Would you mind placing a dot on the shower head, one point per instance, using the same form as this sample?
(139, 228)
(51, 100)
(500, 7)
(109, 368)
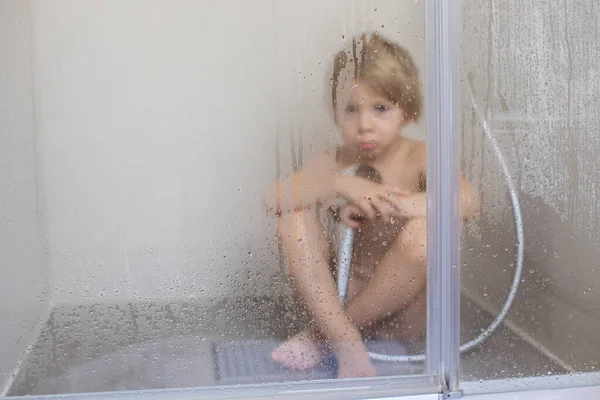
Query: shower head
(368, 172)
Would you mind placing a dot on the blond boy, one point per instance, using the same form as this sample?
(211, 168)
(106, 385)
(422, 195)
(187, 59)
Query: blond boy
(375, 93)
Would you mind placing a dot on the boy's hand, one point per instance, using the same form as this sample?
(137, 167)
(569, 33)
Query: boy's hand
(350, 216)
(403, 206)
(355, 363)
(371, 199)
(410, 206)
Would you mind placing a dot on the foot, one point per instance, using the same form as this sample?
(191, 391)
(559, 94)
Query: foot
(300, 352)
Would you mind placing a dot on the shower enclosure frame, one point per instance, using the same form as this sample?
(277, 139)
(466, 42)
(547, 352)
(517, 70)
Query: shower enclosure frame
(442, 366)
(443, 182)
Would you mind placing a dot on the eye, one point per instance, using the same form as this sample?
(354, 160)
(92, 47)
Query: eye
(351, 109)
(381, 108)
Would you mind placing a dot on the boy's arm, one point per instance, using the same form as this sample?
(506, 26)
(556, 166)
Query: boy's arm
(415, 205)
(469, 201)
(315, 183)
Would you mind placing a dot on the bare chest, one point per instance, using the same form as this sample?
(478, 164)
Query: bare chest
(402, 175)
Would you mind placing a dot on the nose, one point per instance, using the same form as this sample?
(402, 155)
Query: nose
(365, 123)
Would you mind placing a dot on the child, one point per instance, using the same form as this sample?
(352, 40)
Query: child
(375, 93)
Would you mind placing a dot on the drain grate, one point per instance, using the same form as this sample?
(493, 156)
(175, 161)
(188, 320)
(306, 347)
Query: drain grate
(248, 361)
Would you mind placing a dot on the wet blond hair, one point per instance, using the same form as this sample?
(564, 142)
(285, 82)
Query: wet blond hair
(386, 67)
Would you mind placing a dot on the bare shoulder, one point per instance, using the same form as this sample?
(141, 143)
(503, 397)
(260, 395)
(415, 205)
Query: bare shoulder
(418, 149)
(419, 157)
(415, 153)
(414, 163)
(419, 153)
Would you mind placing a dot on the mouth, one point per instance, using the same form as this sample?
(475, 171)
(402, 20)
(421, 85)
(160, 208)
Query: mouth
(367, 146)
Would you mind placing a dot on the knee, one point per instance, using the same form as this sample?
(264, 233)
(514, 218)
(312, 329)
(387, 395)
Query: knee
(413, 240)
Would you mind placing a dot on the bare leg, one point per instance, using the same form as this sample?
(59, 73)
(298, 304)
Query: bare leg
(302, 351)
(393, 293)
(307, 258)
(393, 290)
(408, 325)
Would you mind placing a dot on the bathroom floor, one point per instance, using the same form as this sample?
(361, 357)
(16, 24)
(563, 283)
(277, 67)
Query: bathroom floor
(93, 348)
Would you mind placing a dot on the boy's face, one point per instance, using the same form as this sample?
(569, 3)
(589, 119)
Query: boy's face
(368, 121)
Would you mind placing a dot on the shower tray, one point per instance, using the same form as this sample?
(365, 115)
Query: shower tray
(109, 347)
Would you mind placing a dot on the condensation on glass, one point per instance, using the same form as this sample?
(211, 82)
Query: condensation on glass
(530, 78)
(137, 142)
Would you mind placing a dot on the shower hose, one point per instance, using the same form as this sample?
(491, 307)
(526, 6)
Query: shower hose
(347, 234)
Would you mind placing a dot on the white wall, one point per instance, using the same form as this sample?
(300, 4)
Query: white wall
(24, 286)
(159, 125)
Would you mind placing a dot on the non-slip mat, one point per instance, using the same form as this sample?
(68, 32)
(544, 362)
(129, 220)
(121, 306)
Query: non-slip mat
(248, 361)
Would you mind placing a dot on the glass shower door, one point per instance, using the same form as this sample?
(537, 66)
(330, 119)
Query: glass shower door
(530, 87)
(150, 131)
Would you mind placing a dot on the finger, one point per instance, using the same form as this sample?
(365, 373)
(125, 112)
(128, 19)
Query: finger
(390, 203)
(350, 216)
(366, 208)
(383, 209)
(389, 196)
(400, 208)
(389, 211)
(353, 211)
(351, 222)
(397, 191)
